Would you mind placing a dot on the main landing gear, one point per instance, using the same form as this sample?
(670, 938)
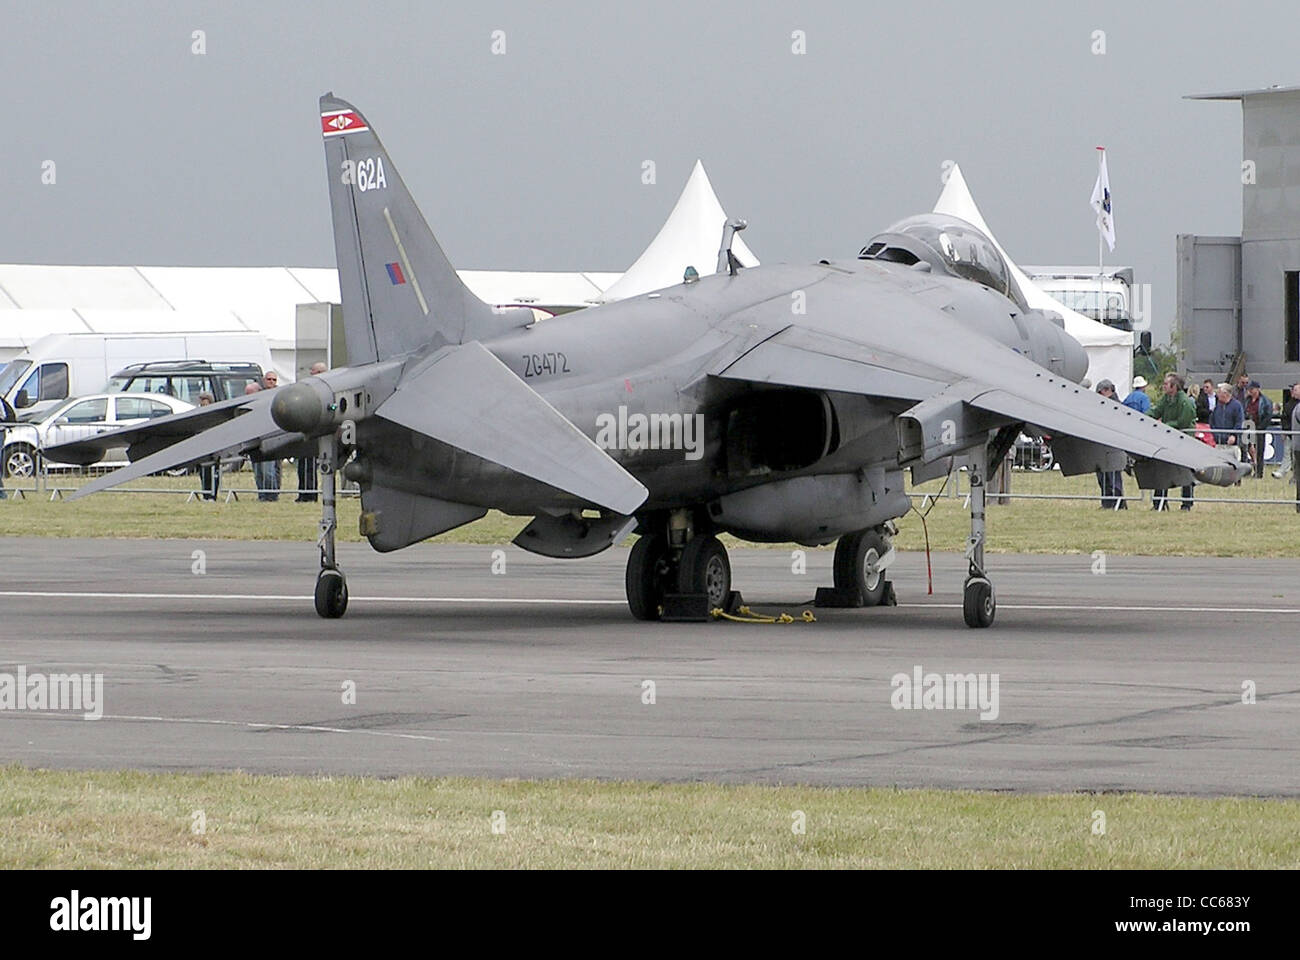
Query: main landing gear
(331, 585)
(671, 567)
(675, 572)
(860, 561)
(978, 604)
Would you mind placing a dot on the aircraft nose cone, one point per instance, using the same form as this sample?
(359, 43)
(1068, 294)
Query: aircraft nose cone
(297, 408)
(1074, 362)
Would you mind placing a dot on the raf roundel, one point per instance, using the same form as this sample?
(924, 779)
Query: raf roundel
(336, 122)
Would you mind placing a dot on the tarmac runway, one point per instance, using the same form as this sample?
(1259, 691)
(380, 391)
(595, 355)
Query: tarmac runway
(1130, 679)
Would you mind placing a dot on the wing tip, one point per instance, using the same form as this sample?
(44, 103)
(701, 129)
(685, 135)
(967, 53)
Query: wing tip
(627, 504)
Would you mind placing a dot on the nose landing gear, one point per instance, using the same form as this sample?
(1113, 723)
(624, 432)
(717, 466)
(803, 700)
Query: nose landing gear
(978, 604)
(331, 586)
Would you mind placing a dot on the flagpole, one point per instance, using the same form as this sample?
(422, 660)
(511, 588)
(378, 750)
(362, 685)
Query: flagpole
(1101, 284)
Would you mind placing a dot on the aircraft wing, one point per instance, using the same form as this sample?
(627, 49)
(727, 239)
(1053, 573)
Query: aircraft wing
(469, 399)
(800, 357)
(1010, 387)
(1060, 407)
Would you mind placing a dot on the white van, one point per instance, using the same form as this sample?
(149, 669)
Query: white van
(64, 365)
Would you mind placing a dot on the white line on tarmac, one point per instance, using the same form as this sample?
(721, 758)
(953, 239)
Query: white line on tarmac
(252, 725)
(1109, 606)
(88, 595)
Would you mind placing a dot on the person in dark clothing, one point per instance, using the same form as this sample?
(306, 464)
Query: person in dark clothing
(267, 472)
(1259, 410)
(209, 471)
(1243, 383)
(1110, 481)
(1295, 442)
(7, 416)
(307, 465)
(1288, 443)
(1226, 418)
(1205, 401)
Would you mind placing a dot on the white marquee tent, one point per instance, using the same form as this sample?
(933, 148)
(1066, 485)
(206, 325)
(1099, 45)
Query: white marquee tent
(38, 299)
(1110, 350)
(690, 237)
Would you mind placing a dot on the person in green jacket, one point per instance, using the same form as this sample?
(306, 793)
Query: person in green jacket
(1176, 409)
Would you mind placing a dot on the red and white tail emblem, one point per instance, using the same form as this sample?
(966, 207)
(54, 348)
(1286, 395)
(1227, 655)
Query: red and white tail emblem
(341, 121)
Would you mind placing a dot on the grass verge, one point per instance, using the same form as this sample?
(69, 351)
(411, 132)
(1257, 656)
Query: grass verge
(93, 820)
(1022, 526)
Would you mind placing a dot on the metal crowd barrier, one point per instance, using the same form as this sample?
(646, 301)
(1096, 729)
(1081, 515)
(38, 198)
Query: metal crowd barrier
(42, 485)
(45, 482)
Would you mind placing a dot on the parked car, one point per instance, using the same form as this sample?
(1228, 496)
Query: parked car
(78, 418)
(63, 365)
(186, 379)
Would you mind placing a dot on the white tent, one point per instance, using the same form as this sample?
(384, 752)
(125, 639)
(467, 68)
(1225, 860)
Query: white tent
(690, 237)
(1110, 350)
(37, 299)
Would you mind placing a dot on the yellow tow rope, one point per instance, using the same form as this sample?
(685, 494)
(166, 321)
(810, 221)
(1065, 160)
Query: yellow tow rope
(749, 616)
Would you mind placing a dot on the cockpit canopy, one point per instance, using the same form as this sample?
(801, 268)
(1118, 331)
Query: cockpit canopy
(950, 246)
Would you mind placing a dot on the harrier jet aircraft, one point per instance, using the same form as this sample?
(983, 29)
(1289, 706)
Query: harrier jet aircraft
(777, 403)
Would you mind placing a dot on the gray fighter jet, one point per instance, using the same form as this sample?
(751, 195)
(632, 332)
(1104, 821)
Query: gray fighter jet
(777, 403)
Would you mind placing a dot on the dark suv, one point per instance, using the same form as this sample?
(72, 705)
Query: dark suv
(186, 379)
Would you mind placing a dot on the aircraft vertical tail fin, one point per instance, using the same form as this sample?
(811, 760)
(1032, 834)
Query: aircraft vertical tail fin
(399, 290)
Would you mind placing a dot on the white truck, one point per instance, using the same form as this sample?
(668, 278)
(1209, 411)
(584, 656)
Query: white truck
(1107, 300)
(64, 365)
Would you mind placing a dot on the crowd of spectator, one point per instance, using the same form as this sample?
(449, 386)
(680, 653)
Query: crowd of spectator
(266, 473)
(1236, 417)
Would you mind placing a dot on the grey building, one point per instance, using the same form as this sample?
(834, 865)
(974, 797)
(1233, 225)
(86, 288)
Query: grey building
(1239, 297)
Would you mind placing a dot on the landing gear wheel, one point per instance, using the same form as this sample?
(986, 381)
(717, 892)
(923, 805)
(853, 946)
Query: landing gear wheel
(704, 568)
(647, 569)
(978, 605)
(854, 553)
(331, 594)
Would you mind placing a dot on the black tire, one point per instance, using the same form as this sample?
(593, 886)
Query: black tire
(704, 568)
(978, 604)
(20, 460)
(646, 580)
(852, 553)
(331, 594)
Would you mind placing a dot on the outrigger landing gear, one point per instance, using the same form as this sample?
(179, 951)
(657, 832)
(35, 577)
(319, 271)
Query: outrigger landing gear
(978, 604)
(331, 586)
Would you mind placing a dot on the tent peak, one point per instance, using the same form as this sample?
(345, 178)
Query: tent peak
(690, 237)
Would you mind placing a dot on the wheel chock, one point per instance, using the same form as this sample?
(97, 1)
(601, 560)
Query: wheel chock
(685, 608)
(837, 597)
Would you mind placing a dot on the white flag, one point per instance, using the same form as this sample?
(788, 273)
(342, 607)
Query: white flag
(1101, 203)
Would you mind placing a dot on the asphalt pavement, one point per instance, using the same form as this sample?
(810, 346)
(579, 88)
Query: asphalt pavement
(213, 659)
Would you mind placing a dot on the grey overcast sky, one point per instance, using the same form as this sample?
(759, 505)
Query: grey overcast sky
(533, 159)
